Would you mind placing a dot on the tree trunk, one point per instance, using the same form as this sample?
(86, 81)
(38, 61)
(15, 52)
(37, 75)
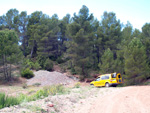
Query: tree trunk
(83, 70)
(10, 72)
(4, 67)
(32, 51)
(23, 43)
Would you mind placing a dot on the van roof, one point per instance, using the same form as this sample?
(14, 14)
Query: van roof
(107, 74)
(104, 75)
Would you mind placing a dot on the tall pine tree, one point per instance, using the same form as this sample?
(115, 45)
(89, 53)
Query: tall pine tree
(136, 66)
(80, 41)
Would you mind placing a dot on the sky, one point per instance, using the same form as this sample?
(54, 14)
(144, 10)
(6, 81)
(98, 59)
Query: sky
(137, 12)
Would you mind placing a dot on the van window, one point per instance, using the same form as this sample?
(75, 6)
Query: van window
(105, 77)
(114, 75)
(119, 76)
(98, 79)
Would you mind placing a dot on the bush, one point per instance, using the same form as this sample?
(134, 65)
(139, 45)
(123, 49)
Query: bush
(73, 71)
(41, 60)
(48, 65)
(36, 66)
(27, 63)
(24, 86)
(59, 60)
(27, 73)
(53, 90)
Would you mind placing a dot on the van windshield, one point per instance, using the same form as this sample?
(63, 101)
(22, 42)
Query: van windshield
(113, 75)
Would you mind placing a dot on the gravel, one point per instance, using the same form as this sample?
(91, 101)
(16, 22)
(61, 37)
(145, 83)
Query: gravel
(46, 78)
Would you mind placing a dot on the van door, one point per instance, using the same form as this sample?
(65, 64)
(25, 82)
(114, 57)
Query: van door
(102, 81)
(97, 82)
(119, 78)
(113, 78)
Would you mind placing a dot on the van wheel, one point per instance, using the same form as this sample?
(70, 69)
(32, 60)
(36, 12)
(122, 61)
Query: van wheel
(107, 85)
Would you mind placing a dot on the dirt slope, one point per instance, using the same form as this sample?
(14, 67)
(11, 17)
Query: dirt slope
(46, 78)
(129, 100)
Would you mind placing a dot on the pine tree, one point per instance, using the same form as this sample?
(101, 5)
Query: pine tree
(111, 29)
(136, 67)
(80, 41)
(146, 39)
(47, 37)
(107, 62)
(9, 51)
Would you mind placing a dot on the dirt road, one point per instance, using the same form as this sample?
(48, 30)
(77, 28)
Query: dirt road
(135, 99)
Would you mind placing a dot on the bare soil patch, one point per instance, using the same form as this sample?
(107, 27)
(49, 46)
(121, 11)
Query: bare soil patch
(46, 78)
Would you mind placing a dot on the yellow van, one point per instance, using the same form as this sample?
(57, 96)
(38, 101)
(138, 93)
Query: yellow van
(107, 80)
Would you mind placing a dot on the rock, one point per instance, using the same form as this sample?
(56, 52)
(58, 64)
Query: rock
(50, 104)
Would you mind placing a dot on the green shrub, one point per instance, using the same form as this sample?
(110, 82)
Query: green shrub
(41, 60)
(6, 101)
(53, 90)
(27, 73)
(48, 65)
(59, 60)
(27, 63)
(73, 71)
(24, 86)
(36, 66)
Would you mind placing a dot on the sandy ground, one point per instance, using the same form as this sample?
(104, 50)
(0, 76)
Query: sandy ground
(129, 100)
(87, 99)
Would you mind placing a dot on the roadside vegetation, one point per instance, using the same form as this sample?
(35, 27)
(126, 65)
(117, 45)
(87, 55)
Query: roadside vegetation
(6, 101)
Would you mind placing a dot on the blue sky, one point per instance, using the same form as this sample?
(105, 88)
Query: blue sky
(137, 12)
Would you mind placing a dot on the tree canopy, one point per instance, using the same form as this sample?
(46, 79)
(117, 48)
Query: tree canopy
(81, 44)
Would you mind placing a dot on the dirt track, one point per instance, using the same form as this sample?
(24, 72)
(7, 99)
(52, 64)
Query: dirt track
(127, 100)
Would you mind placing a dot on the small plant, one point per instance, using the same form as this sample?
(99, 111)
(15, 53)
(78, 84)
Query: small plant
(37, 84)
(53, 90)
(27, 73)
(77, 85)
(24, 86)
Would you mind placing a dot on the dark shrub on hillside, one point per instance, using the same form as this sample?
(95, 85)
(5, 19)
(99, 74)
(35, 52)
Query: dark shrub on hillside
(59, 60)
(73, 71)
(48, 65)
(27, 73)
